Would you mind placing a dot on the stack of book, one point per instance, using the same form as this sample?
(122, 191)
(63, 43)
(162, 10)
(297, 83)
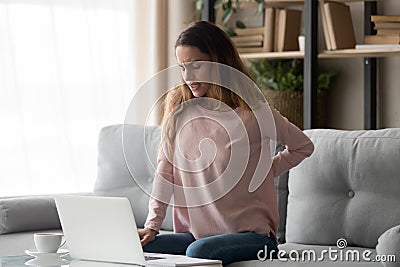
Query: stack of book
(386, 25)
(388, 33)
(279, 33)
(249, 39)
(337, 25)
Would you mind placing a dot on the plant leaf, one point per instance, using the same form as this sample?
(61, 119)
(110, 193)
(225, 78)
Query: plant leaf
(227, 5)
(260, 8)
(237, 3)
(218, 4)
(230, 31)
(240, 24)
(227, 15)
(199, 5)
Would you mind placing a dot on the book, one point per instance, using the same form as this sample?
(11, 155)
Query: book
(378, 46)
(382, 39)
(387, 31)
(247, 38)
(249, 31)
(325, 26)
(340, 25)
(249, 44)
(269, 28)
(387, 25)
(276, 29)
(287, 30)
(376, 18)
(250, 49)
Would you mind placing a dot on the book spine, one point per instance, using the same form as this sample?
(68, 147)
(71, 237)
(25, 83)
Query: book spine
(248, 38)
(277, 32)
(250, 49)
(287, 30)
(387, 31)
(382, 39)
(341, 25)
(387, 25)
(269, 28)
(249, 44)
(249, 31)
(330, 26)
(325, 26)
(376, 18)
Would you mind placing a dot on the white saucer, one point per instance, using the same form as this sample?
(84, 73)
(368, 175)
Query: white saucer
(36, 254)
(43, 261)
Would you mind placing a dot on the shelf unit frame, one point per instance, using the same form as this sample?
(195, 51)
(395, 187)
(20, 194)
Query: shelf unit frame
(312, 54)
(310, 20)
(370, 73)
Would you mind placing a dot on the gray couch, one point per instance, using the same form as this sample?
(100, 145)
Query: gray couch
(343, 198)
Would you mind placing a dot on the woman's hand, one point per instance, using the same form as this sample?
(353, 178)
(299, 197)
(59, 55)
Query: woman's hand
(147, 235)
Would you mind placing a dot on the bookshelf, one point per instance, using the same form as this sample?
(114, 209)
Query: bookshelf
(273, 55)
(311, 56)
(342, 53)
(301, 2)
(359, 53)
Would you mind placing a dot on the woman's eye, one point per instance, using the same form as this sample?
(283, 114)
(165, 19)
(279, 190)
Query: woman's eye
(196, 65)
(182, 67)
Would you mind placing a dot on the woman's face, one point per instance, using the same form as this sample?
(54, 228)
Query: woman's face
(188, 58)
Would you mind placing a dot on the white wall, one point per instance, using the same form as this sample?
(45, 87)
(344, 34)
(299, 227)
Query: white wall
(180, 14)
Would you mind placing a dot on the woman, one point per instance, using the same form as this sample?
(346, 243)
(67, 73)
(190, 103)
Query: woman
(233, 225)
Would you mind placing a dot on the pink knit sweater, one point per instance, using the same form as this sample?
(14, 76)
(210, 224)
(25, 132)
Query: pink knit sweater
(216, 155)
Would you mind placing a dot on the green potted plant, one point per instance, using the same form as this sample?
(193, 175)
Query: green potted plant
(281, 82)
(228, 8)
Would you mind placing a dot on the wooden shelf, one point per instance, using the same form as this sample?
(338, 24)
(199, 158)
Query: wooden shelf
(302, 1)
(285, 3)
(273, 55)
(281, 3)
(359, 53)
(344, 53)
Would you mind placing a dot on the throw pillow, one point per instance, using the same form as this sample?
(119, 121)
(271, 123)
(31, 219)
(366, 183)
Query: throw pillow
(28, 214)
(389, 244)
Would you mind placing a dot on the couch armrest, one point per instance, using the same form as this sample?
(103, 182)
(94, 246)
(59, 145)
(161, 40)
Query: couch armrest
(20, 214)
(389, 246)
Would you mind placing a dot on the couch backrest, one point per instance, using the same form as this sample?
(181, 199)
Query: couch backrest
(126, 165)
(348, 188)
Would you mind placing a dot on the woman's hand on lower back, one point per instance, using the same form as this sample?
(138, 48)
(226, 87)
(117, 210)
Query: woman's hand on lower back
(147, 235)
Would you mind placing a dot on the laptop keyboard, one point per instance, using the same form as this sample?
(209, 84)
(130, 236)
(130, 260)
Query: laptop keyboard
(151, 258)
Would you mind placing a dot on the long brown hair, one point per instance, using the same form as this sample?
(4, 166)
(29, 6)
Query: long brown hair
(214, 42)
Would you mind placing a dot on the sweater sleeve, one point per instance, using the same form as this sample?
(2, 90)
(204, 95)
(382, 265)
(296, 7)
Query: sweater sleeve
(297, 145)
(161, 194)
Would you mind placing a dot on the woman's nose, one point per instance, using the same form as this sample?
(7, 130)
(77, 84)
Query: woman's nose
(188, 74)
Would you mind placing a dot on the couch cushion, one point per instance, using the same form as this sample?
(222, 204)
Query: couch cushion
(277, 263)
(281, 185)
(299, 255)
(19, 214)
(347, 189)
(338, 254)
(133, 180)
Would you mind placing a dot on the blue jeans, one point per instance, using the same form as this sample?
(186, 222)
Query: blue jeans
(228, 248)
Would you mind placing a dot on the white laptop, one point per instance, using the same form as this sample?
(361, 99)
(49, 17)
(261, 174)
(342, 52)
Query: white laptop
(104, 229)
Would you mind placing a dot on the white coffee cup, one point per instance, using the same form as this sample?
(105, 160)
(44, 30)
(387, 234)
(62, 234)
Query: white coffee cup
(48, 242)
(301, 40)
